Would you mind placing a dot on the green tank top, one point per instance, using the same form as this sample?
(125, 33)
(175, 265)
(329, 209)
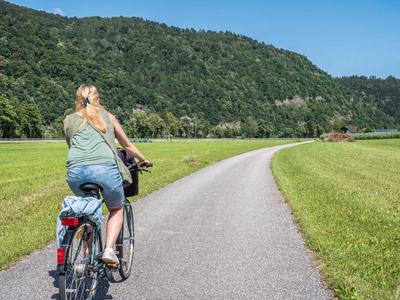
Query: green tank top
(89, 148)
(72, 123)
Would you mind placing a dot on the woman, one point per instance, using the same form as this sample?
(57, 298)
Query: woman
(90, 133)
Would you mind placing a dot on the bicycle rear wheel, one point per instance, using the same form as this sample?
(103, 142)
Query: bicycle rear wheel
(79, 281)
(125, 242)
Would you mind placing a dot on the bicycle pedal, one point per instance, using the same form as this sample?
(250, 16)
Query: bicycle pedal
(112, 266)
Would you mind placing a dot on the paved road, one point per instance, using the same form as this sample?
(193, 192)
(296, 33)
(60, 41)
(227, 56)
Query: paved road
(224, 232)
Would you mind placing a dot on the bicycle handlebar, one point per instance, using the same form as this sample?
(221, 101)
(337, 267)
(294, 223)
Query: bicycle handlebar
(143, 167)
(148, 165)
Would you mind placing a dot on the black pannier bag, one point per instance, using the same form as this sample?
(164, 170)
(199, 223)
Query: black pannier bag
(130, 189)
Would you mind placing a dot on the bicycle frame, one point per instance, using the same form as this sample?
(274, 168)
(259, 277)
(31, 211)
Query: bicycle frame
(126, 203)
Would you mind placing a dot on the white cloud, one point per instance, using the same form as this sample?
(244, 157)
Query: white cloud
(58, 11)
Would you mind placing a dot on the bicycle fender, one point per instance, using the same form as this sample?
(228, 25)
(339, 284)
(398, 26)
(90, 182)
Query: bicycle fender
(61, 268)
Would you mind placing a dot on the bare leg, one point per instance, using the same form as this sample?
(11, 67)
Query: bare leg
(87, 244)
(114, 224)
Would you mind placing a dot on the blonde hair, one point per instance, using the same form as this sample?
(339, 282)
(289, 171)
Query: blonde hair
(91, 110)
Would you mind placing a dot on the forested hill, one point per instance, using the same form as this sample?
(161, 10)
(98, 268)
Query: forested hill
(382, 93)
(213, 77)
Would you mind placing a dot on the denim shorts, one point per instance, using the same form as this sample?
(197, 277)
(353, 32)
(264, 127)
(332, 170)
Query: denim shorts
(105, 175)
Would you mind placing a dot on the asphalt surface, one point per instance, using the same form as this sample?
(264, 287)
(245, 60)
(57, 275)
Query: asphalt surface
(224, 232)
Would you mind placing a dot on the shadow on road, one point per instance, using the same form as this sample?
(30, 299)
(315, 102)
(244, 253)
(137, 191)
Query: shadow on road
(102, 289)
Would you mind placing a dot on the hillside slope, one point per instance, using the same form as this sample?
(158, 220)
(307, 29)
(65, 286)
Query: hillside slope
(382, 93)
(219, 77)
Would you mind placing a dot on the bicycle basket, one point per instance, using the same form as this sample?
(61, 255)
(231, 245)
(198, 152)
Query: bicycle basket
(130, 189)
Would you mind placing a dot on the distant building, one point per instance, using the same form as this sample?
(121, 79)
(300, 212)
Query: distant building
(386, 130)
(349, 129)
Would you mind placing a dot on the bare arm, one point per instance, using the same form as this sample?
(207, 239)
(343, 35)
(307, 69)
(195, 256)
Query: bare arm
(125, 142)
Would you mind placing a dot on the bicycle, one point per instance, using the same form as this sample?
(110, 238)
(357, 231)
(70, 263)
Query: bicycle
(79, 260)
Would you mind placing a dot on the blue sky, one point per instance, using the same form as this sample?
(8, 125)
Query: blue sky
(341, 37)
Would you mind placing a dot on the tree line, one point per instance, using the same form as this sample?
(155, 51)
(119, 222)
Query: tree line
(141, 124)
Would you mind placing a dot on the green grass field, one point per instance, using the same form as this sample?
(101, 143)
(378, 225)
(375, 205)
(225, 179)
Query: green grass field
(32, 183)
(345, 197)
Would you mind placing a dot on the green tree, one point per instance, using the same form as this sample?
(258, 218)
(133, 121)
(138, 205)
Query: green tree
(8, 118)
(197, 124)
(231, 132)
(32, 127)
(335, 126)
(187, 126)
(218, 132)
(269, 129)
(311, 130)
(300, 132)
(171, 123)
(250, 127)
(138, 125)
(261, 130)
(320, 130)
(130, 127)
(156, 123)
(287, 133)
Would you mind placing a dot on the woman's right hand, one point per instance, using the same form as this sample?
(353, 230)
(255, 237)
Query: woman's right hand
(140, 163)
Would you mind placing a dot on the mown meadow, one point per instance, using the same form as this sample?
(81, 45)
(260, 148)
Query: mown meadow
(32, 183)
(345, 197)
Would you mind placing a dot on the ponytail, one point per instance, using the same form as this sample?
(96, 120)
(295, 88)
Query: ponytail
(87, 97)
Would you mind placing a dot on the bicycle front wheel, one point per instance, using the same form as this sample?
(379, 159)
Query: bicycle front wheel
(79, 281)
(125, 242)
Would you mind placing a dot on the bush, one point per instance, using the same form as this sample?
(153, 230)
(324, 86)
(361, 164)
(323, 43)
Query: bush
(376, 135)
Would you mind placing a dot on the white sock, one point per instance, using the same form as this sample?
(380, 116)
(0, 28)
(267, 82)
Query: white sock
(109, 249)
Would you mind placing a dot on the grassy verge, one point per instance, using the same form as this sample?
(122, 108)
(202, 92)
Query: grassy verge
(345, 197)
(32, 183)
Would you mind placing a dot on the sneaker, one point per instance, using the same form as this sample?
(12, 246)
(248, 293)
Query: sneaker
(110, 257)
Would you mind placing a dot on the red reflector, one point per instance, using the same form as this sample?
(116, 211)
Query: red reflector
(60, 255)
(69, 221)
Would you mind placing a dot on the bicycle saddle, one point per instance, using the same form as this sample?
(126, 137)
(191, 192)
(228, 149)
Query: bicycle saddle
(89, 187)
